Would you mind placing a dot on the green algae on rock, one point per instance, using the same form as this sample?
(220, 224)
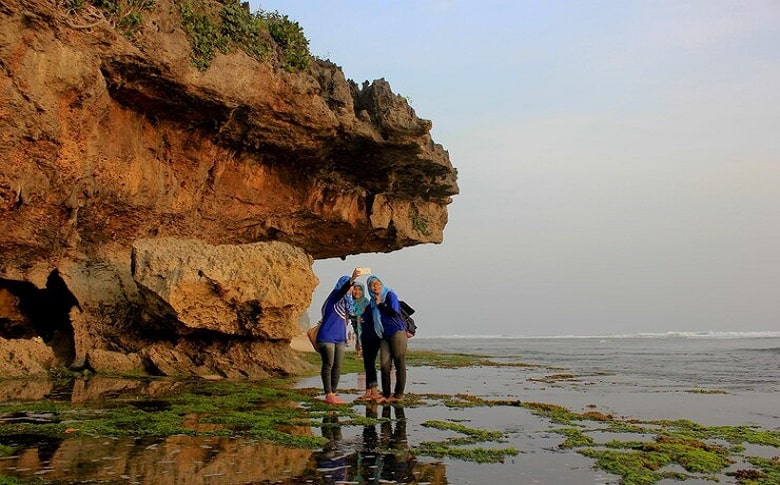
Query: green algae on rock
(457, 447)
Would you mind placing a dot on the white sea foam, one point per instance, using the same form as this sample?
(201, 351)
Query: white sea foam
(648, 335)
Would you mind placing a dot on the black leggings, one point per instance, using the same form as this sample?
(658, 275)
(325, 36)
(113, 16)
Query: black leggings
(393, 354)
(370, 348)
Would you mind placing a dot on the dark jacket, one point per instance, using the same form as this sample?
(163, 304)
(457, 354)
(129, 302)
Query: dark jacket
(390, 312)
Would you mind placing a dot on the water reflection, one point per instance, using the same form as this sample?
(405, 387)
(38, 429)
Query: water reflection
(381, 455)
(378, 452)
(169, 461)
(332, 461)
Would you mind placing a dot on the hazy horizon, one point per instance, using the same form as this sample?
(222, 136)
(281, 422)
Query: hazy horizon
(619, 162)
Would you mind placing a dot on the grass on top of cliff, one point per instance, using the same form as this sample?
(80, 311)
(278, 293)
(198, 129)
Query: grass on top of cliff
(212, 27)
(227, 26)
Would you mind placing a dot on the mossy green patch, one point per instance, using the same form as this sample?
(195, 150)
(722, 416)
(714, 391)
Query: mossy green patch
(478, 454)
(633, 467)
(473, 435)
(574, 437)
(554, 412)
(678, 442)
(459, 447)
(6, 480)
(454, 360)
(553, 378)
(420, 358)
(261, 410)
(767, 471)
(732, 434)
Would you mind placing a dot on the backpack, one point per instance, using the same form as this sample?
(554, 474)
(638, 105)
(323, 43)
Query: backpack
(406, 316)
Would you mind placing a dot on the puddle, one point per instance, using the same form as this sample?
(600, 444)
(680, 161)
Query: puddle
(43, 441)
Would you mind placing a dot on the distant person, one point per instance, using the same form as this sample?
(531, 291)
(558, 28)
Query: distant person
(359, 304)
(332, 336)
(384, 316)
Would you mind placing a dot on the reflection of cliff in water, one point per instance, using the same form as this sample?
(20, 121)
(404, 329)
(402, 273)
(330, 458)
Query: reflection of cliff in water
(174, 460)
(370, 454)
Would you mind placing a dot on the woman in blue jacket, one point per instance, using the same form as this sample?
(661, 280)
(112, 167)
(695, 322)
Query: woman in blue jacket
(332, 336)
(382, 320)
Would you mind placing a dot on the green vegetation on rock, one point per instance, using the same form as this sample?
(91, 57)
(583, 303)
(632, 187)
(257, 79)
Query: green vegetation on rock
(459, 448)
(227, 26)
(212, 26)
(125, 15)
(272, 411)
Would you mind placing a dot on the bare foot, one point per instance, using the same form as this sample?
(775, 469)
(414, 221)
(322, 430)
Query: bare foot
(333, 399)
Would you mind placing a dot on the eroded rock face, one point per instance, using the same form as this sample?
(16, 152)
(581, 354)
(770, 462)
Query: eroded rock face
(106, 143)
(254, 290)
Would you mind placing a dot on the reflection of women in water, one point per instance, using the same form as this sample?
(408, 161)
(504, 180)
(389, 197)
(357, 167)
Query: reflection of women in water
(382, 456)
(332, 336)
(399, 463)
(384, 316)
(331, 459)
(359, 304)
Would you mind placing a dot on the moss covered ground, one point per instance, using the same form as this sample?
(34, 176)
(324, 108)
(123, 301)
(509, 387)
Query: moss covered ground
(646, 452)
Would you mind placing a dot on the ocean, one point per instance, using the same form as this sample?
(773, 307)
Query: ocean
(726, 361)
(645, 376)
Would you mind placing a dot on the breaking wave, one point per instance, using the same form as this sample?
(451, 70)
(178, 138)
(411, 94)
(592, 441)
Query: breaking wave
(647, 335)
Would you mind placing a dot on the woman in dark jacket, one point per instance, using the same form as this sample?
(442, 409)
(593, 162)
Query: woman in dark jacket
(382, 320)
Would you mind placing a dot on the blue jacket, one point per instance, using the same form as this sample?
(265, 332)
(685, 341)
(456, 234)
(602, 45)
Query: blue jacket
(390, 312)
(334, 328)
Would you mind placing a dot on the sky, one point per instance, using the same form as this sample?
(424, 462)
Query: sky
(618, 161)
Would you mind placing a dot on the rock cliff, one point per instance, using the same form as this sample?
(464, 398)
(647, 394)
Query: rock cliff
(161, 217)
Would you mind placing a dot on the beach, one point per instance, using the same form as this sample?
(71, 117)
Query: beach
(713, 382)
(639, 410)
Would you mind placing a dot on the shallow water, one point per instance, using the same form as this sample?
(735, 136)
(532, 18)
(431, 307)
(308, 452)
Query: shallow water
(364, 454)
(633, 378)
(712, 380)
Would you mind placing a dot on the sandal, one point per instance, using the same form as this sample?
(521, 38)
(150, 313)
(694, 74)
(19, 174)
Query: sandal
(367, 396)
(377, 396)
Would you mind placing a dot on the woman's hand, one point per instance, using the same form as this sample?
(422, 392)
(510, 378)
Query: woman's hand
(355, 274)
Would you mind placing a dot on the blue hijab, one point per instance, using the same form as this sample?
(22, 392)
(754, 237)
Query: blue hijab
(358, 305)
(374, 307)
